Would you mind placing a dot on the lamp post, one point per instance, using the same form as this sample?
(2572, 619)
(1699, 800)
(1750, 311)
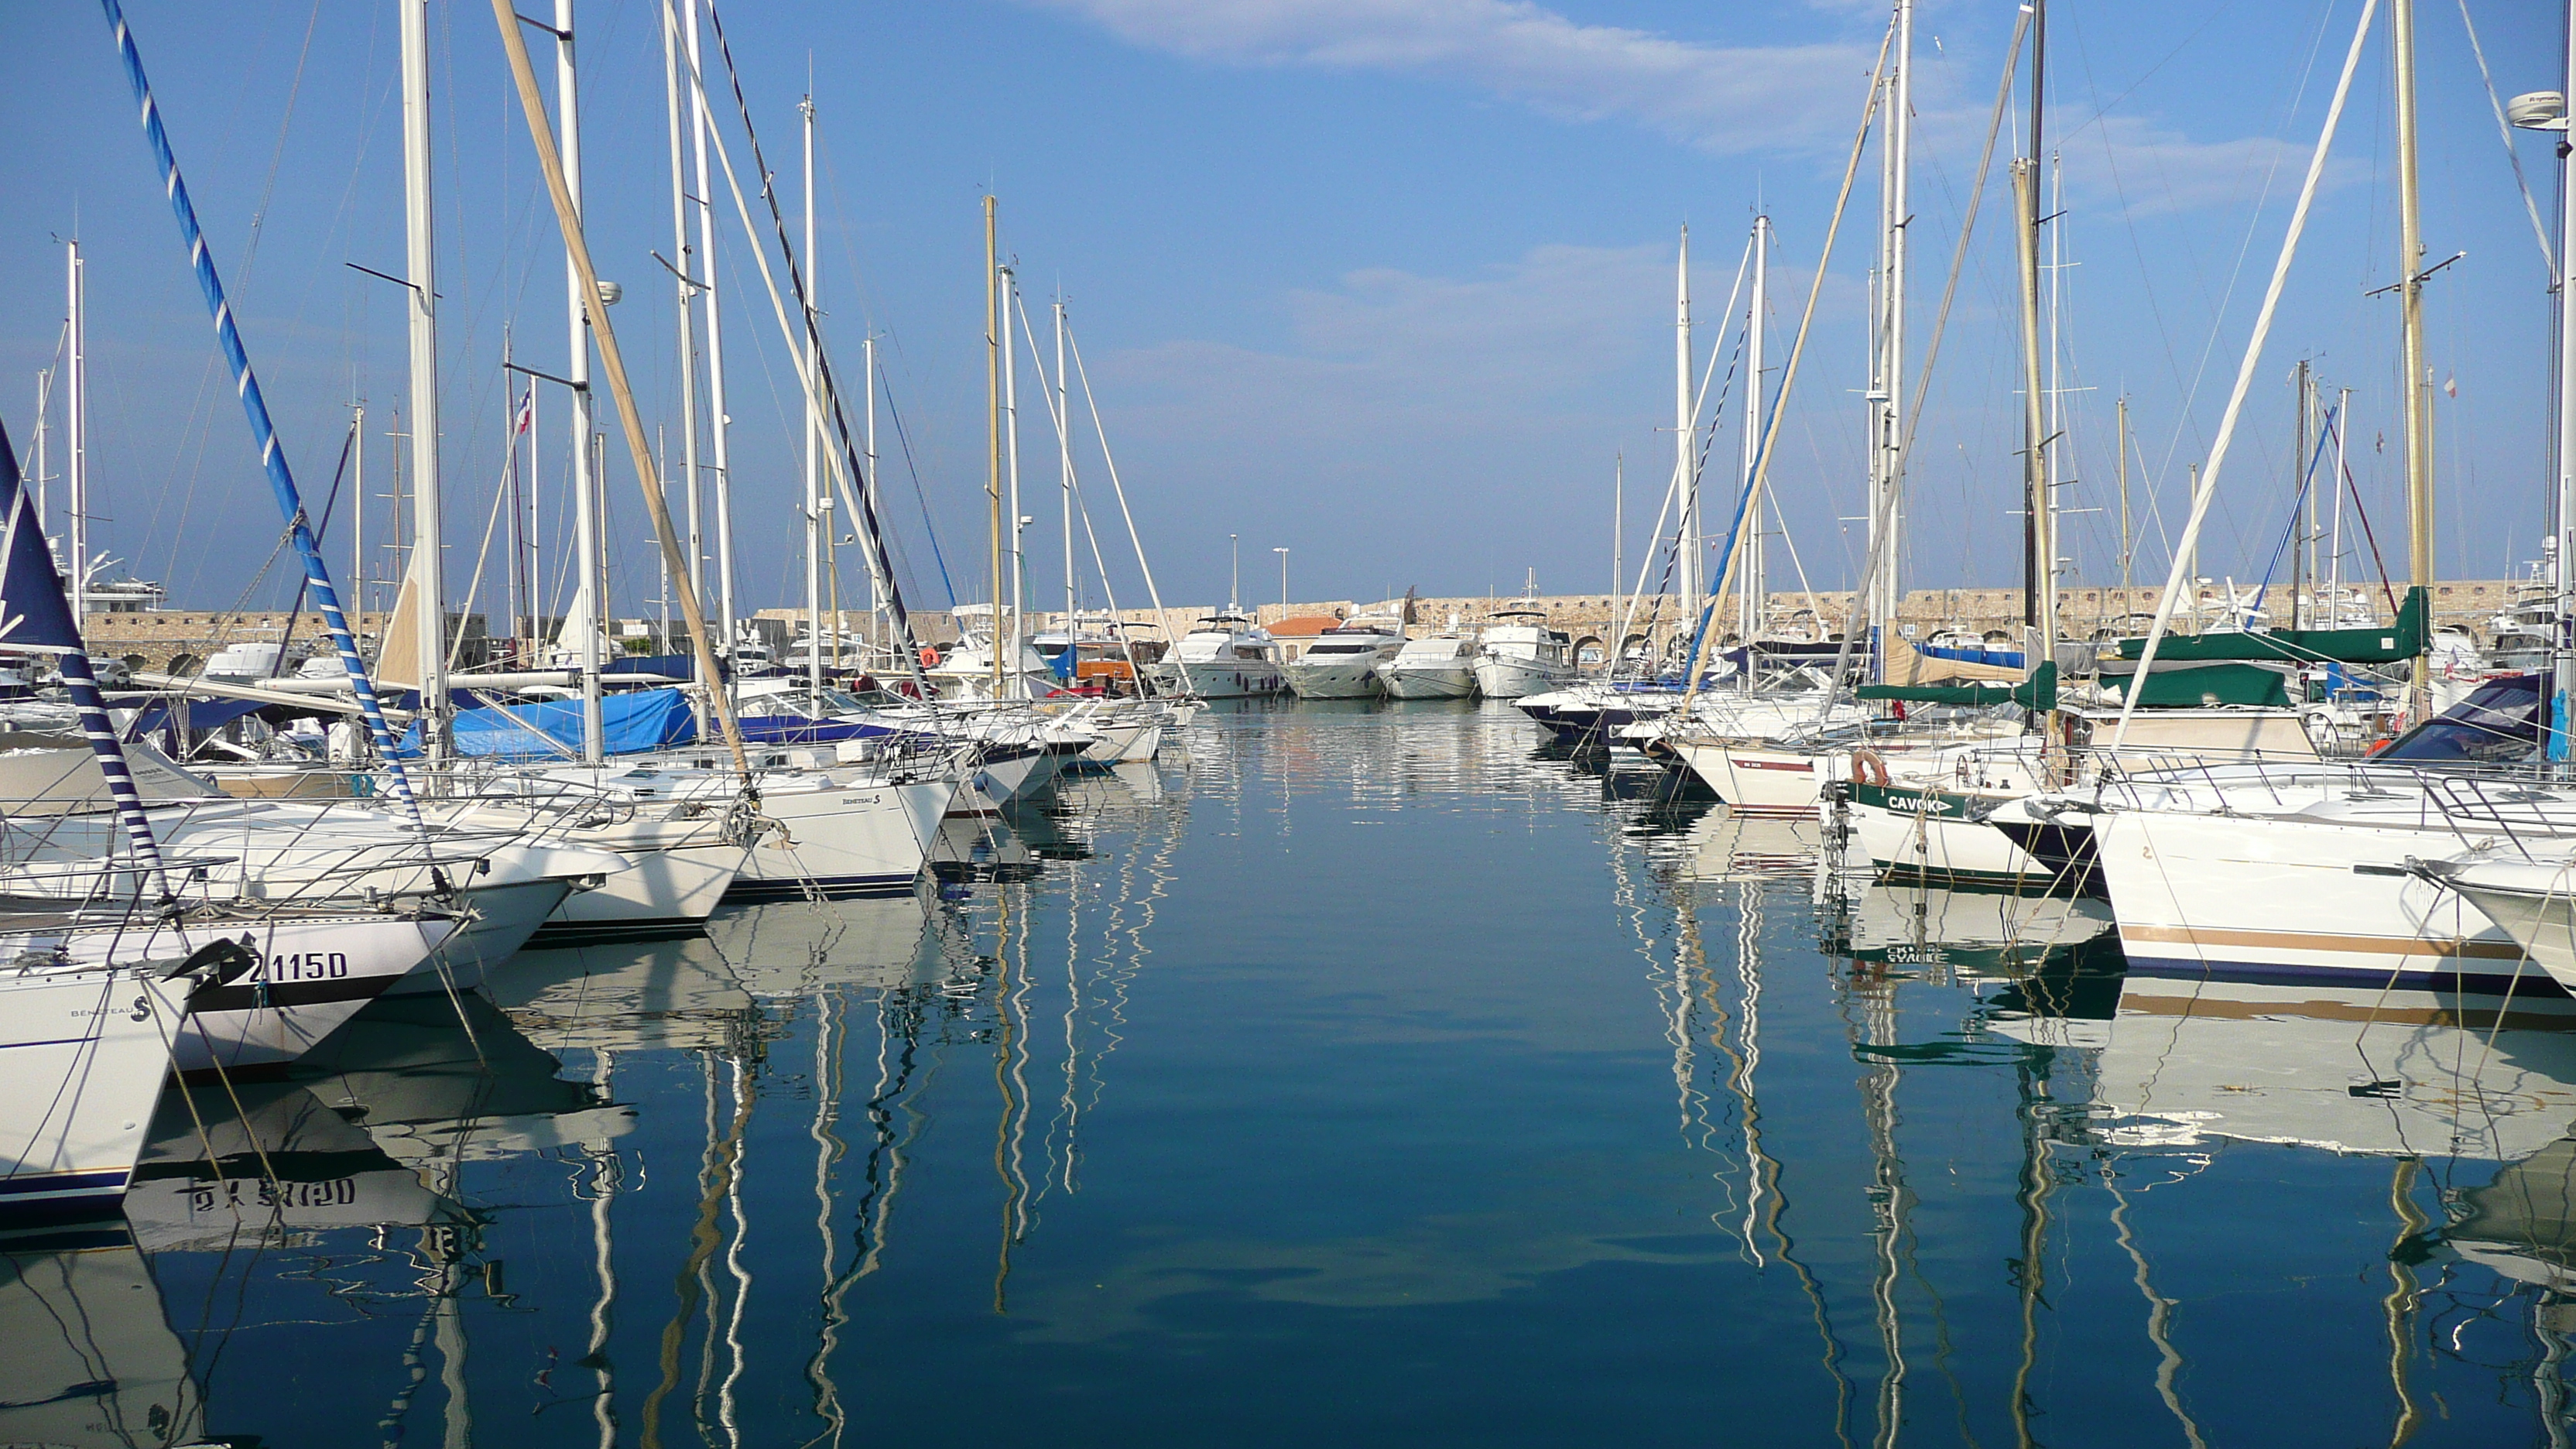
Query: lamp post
(2547, 111)
(1283, 581)
(1234, 584)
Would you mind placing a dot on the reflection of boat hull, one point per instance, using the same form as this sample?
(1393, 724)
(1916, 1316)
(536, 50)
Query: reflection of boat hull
(1993, 934)
(785, 947)
(91, 1359)
(669, 993)
(2349, 1069)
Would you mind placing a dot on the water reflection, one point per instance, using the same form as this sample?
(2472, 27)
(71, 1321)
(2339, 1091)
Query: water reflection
(1368, 1049)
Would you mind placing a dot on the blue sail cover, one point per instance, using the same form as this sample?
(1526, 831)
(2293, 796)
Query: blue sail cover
(649, 719)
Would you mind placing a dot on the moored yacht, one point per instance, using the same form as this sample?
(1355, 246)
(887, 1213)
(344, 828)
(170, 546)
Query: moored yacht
(1226, 657)
(1342, 662)
(1523, 656)
(1440, 667)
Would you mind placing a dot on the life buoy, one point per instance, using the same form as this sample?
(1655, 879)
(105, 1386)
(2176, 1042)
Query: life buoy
(929, 657)
(1867, 768)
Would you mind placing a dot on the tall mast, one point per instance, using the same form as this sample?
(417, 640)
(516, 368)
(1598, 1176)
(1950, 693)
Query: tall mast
(1887, 391)
(868, 366)
(2563, 689)
(1064, 465)
(2299, 490)
(2410, 263)
(2039, 533)
(420, 263)
(358, 510)
(993, 431)
(1685, 478)
(2123, 431)
(2334, 547)
(589, 608)
(1011, 464)
(76, 430)
(1618, 538)
(815, 519)
(718, 425)
(686, 263)
(1756, 588)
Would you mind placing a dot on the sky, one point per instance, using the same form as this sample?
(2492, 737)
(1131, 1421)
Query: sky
(1386, 283)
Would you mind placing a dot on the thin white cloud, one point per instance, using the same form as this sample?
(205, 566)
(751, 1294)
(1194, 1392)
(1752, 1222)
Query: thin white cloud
(1727, 99)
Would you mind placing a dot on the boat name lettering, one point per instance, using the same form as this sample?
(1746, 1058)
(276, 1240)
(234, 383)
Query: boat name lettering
(304, 966)
(235, 1192)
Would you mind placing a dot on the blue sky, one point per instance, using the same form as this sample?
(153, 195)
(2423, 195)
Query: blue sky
(1387, 282)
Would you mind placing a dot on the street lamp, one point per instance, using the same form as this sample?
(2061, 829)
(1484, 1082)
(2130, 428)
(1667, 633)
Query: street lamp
(1283, 581)
(2547, 111)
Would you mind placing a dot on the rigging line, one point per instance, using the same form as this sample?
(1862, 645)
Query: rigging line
(2245, 370)
(912, 466)
(1931, 352)
(2504, 133)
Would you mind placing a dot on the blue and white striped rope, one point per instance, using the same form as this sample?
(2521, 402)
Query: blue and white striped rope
(272, 455)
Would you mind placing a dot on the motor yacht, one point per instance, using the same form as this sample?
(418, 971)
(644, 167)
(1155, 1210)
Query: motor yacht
(1440, 667)
(1523, 656)
(1342, 662)
(1227, 656)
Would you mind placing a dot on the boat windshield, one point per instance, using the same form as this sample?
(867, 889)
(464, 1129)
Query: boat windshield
(2498, 724)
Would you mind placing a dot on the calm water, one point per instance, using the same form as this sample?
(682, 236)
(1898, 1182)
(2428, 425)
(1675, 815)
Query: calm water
(1356, 1076)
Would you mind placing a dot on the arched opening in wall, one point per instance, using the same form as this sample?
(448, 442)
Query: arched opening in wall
(1635, 646)
(184, 664)
(1590, 652)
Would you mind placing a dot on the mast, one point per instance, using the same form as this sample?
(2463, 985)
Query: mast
(993, 431)
(76, 429)
(684, 262)
(1064, 464)
(1011, 463)
(815, 519)
(868, 353)
(2563, 563)
(1685, 477)
(718, 425)
(1887, 391)
(2039, 531)
(2343, 430)
(2410, 262)
(2306, 500)
(1756, 587)
(428, 580)
(1618, 538)
(357, 510)
(2123, 430)
(589, 602)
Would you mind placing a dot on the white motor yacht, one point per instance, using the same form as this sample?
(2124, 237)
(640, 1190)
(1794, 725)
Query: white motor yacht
(1440, 667)
(1342, 662)
(1523, 656)
(1226, 657)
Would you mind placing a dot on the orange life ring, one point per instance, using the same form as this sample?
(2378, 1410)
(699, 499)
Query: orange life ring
(1868, 768)
(929, 657)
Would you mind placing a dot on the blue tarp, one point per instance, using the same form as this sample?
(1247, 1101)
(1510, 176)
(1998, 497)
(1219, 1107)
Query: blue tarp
(648, 719)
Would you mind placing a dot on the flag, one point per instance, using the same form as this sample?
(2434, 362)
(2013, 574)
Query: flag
(33, 613)
(527, 417)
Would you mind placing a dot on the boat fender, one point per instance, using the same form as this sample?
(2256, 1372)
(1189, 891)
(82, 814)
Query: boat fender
(1868, 768)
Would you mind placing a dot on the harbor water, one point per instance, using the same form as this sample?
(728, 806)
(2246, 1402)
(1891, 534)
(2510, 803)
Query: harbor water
(1357, 1074)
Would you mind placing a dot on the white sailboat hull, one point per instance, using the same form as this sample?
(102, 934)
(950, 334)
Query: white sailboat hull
(841, 840)
(83, 1055)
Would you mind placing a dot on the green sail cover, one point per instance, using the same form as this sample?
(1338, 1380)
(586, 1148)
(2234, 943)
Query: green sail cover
(2037, 692)
(2206, 684)
(2403, 640)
